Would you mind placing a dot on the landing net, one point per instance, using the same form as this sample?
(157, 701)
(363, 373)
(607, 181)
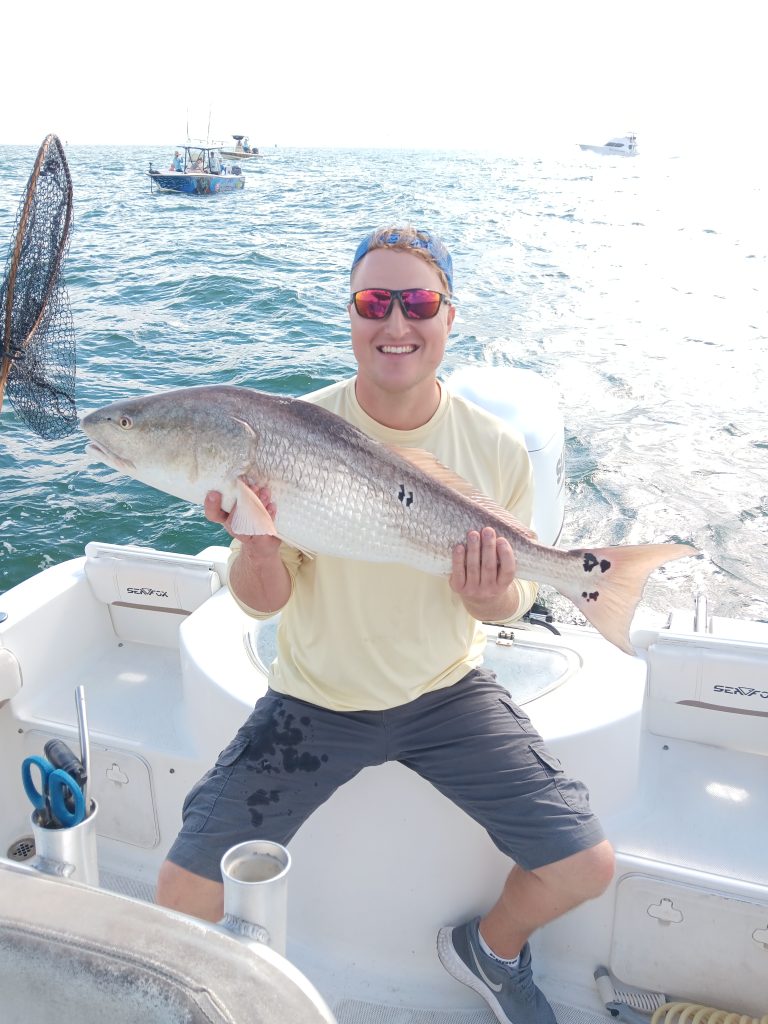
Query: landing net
(37, 335)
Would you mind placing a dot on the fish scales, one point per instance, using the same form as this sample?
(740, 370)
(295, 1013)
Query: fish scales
(321, 489)
(345, 510)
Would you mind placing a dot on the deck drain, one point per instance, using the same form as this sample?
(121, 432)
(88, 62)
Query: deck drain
(22, 849)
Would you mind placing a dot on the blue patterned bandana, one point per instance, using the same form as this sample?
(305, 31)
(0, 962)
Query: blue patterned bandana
(424, 240)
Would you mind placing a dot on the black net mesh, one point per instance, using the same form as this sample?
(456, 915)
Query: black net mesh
(36, 328)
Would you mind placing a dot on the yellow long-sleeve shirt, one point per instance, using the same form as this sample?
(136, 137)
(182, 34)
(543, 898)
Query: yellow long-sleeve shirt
(359, 636)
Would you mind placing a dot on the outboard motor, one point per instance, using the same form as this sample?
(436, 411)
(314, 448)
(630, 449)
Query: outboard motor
(529, 403)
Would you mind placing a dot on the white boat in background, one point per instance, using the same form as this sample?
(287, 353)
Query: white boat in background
(622, 145)
(672, 742)
(242, 149)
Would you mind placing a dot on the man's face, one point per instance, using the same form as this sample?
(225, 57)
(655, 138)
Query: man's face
(397, 354)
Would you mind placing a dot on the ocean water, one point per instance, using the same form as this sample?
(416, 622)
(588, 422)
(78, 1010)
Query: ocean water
(638, 287)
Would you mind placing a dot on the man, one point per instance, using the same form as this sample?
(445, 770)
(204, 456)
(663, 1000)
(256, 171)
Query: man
(367, 649)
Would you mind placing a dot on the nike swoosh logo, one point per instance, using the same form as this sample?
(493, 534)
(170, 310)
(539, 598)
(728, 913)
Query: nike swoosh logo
(481, 972)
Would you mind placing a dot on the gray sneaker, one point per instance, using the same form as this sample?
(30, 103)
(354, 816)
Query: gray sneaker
(510, 992)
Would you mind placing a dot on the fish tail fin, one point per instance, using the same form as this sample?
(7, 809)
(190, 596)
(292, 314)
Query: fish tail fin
(610, 583)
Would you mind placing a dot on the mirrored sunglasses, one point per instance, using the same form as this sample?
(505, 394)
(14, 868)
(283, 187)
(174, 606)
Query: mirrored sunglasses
(416, 303)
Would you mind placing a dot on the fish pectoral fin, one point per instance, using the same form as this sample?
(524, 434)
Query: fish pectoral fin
(428, 463)
(249, 517)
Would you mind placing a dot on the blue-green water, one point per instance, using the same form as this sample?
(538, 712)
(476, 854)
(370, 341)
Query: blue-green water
(638, 287)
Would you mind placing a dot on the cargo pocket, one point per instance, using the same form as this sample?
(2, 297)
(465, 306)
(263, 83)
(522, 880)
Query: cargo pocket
(520, 718)
(230, 754)
(572, 792)
(201, 799)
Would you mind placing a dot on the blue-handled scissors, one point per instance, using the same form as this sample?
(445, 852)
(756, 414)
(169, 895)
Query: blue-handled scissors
(59, 799)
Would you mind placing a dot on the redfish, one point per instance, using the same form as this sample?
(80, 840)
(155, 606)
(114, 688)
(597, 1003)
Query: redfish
(338, 492)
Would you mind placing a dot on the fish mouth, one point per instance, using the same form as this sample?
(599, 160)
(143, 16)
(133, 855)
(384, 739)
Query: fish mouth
(103, 454)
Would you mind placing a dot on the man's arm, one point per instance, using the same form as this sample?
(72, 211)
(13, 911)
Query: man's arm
(257, 575)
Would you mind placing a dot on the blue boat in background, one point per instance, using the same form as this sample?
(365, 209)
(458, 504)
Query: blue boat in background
(201, 171)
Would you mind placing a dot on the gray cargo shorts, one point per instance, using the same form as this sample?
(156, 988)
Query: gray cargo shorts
(470, 740)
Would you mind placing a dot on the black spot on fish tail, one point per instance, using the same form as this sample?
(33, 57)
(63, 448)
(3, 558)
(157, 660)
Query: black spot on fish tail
(590, 597)
(590, 563)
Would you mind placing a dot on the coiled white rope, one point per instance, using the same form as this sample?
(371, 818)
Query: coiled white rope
(694, 1013)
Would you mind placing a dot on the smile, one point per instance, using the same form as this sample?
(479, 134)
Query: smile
(397, 350)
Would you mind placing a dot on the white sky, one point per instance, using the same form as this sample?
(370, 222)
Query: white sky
(496, 74)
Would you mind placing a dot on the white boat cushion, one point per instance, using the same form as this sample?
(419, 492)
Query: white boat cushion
(149, 579)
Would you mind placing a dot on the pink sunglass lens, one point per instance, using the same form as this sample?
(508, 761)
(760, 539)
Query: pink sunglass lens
(421, 303)
(372, 304)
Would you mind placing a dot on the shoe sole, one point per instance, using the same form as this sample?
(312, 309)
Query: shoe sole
(456, 967)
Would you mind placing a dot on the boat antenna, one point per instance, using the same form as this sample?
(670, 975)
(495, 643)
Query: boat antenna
(37, 335)
(208, 136)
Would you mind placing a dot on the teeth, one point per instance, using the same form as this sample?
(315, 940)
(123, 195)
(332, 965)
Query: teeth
(398, 349)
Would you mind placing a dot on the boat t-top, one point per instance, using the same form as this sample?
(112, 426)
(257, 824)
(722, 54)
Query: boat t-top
(622, 145)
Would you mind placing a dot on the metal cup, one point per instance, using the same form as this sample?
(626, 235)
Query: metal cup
(256, 891)
(68, 852)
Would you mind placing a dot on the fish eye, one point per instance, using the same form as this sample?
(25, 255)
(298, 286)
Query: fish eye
(126, 422)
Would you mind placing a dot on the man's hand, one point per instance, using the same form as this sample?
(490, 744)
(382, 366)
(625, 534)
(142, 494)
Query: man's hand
(257, 544)
(482, 574)
(257, 576)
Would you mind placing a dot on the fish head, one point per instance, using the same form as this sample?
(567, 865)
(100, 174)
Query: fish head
(185, 442)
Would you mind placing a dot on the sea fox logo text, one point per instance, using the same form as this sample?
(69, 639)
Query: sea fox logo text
(147, 591)
(742, 691)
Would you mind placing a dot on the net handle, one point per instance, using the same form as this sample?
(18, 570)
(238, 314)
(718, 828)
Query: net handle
(7, 355)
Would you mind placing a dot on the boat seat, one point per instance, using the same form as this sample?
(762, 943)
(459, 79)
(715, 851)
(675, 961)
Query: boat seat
(149, 592)
(74, 953)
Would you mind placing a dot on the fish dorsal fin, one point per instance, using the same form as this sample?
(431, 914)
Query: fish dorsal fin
(432, 466)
